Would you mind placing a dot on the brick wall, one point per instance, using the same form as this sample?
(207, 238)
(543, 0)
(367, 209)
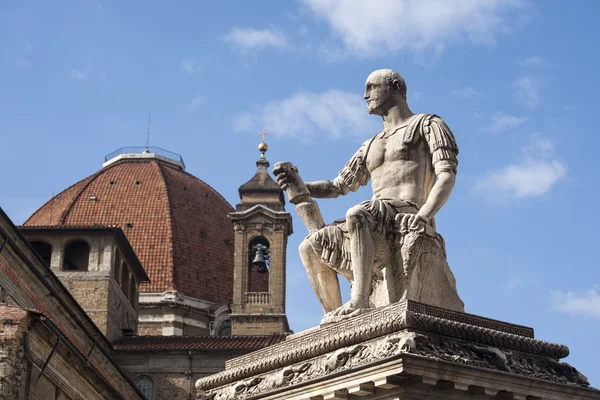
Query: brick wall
(173, 386)
(169, 370)
(17, 266)
(13, 325)
(258, 325)
(259, 282)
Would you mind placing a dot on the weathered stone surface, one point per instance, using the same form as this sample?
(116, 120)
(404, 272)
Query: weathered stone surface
(258, 306)
(14, 322)
(419, 273)
(451, 341)
(387, 246)
(81, 366)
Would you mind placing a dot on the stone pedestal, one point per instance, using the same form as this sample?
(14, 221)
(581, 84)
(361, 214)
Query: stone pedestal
(404, 351)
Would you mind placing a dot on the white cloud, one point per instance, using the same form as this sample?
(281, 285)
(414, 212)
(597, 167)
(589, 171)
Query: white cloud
(333, 113)
(534, 176)
(527, 90)
(586, 303)
(468, 93)
(254, 39)
(79, 74)
(503, 122)
(371, 27)
(196, 101)
(532, 62)
(529, 179)
(191, 66)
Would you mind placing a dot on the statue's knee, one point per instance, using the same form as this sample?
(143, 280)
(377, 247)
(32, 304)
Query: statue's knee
(306, 249)
(354, 216)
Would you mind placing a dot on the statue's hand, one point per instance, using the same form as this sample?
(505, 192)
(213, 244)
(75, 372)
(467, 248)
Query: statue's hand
(283, 179)
(411, 222)
(282, 174)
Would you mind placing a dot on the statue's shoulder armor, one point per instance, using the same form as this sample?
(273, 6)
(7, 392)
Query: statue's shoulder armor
(414, 128)
(440, 139)
(434, 130)
(366, 146)
(355, 172)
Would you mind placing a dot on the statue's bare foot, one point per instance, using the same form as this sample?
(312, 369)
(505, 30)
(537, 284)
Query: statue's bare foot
(328, 317)
(350, 309)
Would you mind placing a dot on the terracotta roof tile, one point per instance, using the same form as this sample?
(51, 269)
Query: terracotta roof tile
(176, 223)
(196, 342)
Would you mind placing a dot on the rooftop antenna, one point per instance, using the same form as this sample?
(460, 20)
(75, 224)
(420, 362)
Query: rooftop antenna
(147, 136)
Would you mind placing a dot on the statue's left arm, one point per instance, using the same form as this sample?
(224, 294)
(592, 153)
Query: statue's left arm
(444, 151)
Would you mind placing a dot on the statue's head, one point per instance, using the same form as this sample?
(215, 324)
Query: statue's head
(384, 89)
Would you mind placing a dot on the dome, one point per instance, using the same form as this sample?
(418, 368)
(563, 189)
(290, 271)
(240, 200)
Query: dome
(176, 223)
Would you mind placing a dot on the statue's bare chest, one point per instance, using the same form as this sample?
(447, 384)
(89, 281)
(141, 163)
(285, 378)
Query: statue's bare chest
(392, 149)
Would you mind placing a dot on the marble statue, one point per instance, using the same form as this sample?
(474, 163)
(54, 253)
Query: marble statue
(387, 247)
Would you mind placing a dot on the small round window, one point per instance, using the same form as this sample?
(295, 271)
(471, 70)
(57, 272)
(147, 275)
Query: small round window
(144, 384)
(224, 329)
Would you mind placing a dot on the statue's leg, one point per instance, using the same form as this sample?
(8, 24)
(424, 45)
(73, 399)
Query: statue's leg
(362, 250)
(323, 279)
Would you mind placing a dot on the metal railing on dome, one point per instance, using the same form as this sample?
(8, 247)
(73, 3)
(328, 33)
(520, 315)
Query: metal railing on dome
(143, 149)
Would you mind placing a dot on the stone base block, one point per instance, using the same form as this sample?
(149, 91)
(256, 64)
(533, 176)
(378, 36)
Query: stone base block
(417, 271)
(409, 351)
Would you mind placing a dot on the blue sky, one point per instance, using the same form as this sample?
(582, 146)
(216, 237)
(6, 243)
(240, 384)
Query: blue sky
(516, 81)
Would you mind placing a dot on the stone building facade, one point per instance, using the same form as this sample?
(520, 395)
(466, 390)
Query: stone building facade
(133, 284)
(172, 364)
(260, 222)
(51, 348)
(176, 224)
(99, 268)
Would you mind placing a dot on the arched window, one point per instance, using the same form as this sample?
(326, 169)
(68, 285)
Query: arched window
(144, 384)
(77, 256)
(224, 329)
(44, 250)
(132, 291)
(258, 265)
(125, 279)
(117, 265)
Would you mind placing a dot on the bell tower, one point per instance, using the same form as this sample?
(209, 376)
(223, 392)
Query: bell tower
(261, 227)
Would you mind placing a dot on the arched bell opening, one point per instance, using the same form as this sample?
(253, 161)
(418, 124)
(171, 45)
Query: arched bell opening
(258, 265)
(125, 280)
(133, 291)
(77, 256)
(44, 250)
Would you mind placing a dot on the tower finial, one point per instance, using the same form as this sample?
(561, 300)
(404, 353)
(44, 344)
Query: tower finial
(262, 147)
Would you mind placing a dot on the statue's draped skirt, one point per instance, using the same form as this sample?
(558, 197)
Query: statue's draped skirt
(332, 241)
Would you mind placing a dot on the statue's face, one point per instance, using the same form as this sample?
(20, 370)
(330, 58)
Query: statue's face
(378, 98)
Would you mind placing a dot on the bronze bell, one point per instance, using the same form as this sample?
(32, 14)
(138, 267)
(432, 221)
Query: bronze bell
(259, 262)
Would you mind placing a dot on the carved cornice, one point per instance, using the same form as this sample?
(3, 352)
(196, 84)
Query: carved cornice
(469, 319)
(260, 209)
(379, 322)
(402, 344)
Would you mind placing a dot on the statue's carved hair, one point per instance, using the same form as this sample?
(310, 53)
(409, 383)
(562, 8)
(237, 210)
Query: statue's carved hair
(394, 82)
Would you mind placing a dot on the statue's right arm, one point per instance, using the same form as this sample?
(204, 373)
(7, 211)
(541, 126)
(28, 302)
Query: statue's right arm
(351, 177)
(327, 189)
